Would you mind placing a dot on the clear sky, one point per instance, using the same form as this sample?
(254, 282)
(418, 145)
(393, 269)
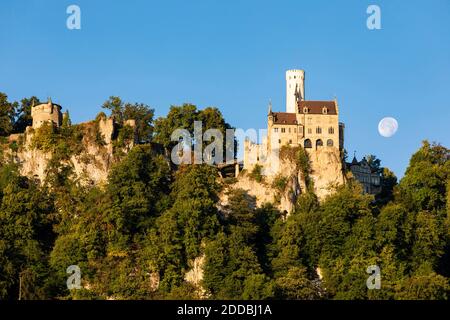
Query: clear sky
(233, 55)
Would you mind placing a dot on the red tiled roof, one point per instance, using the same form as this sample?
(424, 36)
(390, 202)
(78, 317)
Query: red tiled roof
(284, 118)
(316, 107)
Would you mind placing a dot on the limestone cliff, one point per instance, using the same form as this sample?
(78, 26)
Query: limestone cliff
(326, 171)
(283, 186)
(96, 149)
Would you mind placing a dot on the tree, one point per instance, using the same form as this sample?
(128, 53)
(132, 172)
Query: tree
(137, 189)
(295, 285)
(115, 106)
(429, 239)
(183, 117)
(258, 287)
(290, 247)
(424, 185)
(388, 182)
(141, 113)
(27, 236)
(7, 115)
(374, 163)
(195, 194)
(235, 250)
(424, 286)
(23, 114)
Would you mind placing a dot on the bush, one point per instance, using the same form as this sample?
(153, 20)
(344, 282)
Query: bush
(256, 173)
(279, 183)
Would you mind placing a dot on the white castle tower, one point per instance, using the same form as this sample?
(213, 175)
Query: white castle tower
(295, 89)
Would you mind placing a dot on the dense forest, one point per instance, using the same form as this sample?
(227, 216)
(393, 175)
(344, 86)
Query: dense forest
(153, 219)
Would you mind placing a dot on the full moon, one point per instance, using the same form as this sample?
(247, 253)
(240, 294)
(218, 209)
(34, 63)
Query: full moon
(388, 127)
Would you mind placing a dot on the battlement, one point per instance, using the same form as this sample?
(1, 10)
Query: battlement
(46, 112)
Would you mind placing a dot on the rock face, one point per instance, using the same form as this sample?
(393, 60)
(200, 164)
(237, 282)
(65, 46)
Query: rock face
(90, 166)
(195, 275)
(326, 173)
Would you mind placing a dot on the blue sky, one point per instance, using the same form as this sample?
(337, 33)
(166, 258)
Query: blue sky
(233, 55)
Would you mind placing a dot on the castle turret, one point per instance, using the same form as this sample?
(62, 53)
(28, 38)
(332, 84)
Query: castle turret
(46, 112)
(295, 89)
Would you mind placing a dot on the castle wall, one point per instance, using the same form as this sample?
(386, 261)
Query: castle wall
(46, 112)
(296, 134)
(325, 123)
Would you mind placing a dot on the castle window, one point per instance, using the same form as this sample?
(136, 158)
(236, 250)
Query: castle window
(331, 130)
(318, 130)
(290, 141)
(289, 130)
(319, 143)
(295, 130)
(308, 144)
(329, 143)
(309, 130)
(279, 141)
(275, 129)
(283, 130)
(325, 110)
(305, 110)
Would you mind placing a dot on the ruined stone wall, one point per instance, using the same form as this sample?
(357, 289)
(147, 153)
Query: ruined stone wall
(91, 166)
(47, 112)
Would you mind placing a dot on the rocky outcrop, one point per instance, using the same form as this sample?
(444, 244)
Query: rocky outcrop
(195, 275)
(326, 171)
(90, 166)
(326, 174)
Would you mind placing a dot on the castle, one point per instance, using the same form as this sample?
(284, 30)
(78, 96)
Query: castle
(313, 125)
(369, 178)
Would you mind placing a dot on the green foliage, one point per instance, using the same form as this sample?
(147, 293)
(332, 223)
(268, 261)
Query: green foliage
(295, 285)
(258, 287)
(424, 287)
(26, 240)
(235, 250)
(151, 221)
(61, 142)
(256, 173)
(424, 184)
(388, 182)
(7, 114)
(183, 117)
(299, 157)
(141, 113)
(23, 114)
(279, 183)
